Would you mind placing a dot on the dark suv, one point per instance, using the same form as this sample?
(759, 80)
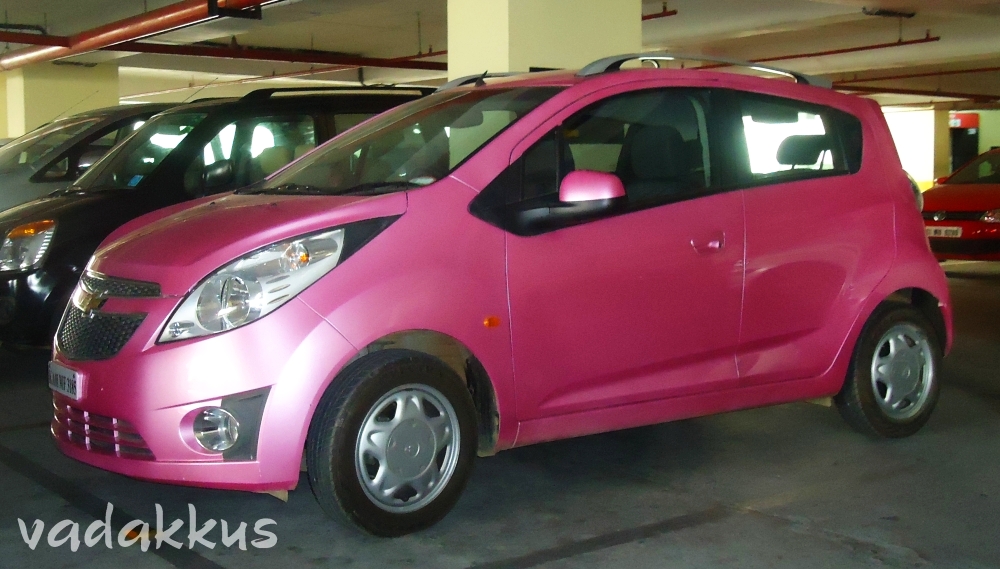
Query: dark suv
(190, 151)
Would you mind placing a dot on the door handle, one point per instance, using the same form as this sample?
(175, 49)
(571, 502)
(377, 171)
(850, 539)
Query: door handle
(713, 244)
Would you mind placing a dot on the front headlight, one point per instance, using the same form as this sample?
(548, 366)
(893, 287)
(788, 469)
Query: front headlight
(255, 285)
(992, 216)
(24, 248)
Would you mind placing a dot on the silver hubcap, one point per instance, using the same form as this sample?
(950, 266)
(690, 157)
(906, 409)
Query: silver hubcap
(902, 371)
(407, 449)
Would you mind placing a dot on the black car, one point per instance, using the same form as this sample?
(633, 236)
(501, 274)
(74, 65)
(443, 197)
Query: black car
(194, 150)
(53, 155)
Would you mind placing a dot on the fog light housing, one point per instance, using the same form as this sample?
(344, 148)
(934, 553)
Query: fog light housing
(216, 429)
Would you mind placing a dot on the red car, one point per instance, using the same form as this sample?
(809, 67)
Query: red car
(962, 212)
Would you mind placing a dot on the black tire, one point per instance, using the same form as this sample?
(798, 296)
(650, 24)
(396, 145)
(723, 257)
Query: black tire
(334, 442)
(864, 401)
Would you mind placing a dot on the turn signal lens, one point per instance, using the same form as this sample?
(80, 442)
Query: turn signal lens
(30, 229)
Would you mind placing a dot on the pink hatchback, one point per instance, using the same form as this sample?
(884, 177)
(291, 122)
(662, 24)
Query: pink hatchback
(546, 256)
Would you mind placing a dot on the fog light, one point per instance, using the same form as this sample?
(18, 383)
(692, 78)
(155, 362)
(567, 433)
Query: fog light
(216, 429)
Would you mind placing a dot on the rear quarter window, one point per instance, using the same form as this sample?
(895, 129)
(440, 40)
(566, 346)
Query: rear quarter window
(789, 140)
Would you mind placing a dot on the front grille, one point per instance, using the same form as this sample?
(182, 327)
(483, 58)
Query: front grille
(97, 433)
(944, 246)
(955, 215)
(106, 287)
(95, 336)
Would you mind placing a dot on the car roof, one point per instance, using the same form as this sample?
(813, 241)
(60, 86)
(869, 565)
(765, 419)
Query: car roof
(296, 96)
(125, 111)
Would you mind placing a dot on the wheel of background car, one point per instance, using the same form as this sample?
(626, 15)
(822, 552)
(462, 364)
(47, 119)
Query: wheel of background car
(892, 382)
(392, 443)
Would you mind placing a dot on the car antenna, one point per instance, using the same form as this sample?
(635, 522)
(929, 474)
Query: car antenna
(482, 79)
(199, 90)
(73, 106)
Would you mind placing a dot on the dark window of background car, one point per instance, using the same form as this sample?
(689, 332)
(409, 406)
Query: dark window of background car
(655, 140)
(785, 140)
(65, 166)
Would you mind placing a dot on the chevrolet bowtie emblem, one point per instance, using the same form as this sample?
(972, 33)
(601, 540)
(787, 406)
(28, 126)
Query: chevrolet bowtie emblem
(86, 301)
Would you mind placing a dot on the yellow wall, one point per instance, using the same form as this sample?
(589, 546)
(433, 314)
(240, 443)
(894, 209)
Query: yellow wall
(942, 144)
(515, 35)
(3, 105)
(989, 130)
(41, 93)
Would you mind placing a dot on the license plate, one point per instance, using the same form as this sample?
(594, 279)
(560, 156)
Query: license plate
(64, 380)
(939, 231)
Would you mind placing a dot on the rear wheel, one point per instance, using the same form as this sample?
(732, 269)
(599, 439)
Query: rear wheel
(892, 383)
(392, 443)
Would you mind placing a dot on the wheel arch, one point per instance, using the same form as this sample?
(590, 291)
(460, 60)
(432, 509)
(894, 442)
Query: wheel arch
(460, 359)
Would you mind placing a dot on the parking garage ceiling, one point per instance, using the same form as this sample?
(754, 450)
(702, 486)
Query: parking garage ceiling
(930, 50)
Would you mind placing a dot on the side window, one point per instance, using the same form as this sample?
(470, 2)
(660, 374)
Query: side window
(792, 140)
(655, 141)
(249, 150)
(344, 121)
(276, 141)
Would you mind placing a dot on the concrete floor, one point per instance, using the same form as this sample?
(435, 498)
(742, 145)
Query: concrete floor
(788, 486)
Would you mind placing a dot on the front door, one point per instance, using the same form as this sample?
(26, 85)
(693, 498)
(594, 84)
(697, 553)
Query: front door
(638, 303)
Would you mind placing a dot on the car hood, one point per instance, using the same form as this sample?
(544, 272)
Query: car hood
(962, 197)
(178, 250)
(45, 208)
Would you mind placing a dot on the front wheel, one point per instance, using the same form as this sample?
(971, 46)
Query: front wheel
(392, 443)
(892, 383)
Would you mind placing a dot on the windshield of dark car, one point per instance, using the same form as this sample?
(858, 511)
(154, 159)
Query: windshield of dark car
(412, 145)
(141, 153)
(982, 170)
(32, 148)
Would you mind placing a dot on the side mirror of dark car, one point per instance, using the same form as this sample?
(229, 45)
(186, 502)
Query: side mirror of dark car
(88, 158)
(218, 174)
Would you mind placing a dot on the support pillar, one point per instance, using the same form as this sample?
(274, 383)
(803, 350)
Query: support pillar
(517, 35)
(41, 93)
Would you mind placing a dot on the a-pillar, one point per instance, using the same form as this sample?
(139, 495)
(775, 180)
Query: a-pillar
(518, 35)
(37, 94)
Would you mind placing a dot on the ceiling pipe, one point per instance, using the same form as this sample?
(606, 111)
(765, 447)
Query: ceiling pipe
(664, 14)
(289, 75)
(920, 92)
(168, 18)
(33, 39)
(928, 39)
(269, 54)
(918, 75)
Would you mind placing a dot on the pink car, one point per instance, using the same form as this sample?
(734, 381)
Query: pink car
(496, 265)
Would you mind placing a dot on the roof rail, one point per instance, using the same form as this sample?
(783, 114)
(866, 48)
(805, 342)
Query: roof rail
(614, 63)
(473, 78)
(259, 94)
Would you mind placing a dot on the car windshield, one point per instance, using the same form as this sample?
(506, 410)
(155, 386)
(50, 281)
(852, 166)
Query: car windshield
(413, 145)
(141, 153)
(982, 170)
(28, 150)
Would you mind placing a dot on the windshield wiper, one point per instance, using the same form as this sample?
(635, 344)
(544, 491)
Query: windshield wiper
(376, 188)
(287, 189)
(70, 191)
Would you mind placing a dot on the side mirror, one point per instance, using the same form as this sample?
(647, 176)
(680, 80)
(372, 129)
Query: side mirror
(941, 180)
(218, 174)
(590, 186)
(88, 158)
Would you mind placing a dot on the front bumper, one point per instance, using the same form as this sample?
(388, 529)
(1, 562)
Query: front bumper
(155, 390)
(980, 241)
